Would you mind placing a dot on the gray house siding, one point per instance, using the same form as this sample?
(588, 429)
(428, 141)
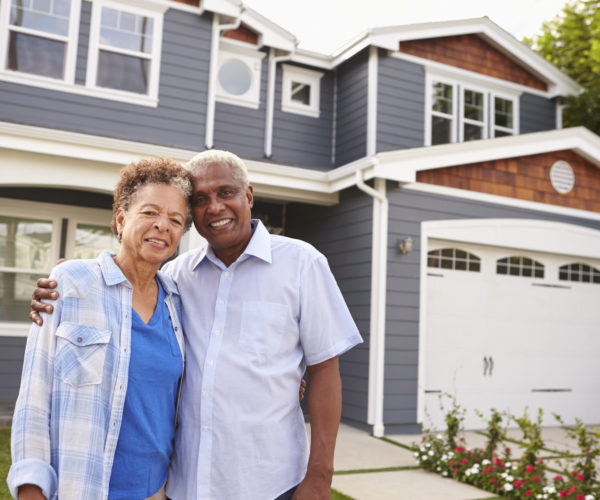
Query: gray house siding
(304, 140)
(537, 113)
(407, 210)
(351, 121)
(12, 351)
(343, 234)
(400, 104)
(179, 119)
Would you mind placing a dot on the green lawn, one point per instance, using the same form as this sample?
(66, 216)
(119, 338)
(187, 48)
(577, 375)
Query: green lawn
(4, 462)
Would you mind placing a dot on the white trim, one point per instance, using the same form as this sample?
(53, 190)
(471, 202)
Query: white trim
(559, 114)
(516, 113)
(372, 90)
(271, 81)
(308, 77)
(149, 9)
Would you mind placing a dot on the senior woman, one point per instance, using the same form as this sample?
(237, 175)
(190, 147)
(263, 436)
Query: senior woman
(95, 416)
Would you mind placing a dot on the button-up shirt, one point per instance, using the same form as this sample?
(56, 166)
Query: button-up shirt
(70, 405)
(251, 328)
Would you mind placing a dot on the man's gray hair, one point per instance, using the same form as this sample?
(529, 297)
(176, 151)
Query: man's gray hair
(238, 168)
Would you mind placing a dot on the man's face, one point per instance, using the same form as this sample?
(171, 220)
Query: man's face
(221, 210)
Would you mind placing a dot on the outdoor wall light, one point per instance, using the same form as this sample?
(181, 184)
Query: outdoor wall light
(406, 245)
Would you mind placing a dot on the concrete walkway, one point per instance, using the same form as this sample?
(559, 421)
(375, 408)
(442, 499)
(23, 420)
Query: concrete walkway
(357, 451)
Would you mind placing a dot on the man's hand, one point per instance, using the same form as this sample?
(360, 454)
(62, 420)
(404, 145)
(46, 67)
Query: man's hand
(44, 290)
(302, 389)
(30, 492)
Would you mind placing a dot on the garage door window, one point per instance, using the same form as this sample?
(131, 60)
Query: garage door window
(579, 272)
(518, 265)
(453, 258)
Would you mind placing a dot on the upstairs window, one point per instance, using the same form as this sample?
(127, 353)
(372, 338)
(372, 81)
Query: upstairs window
(503, 119)
(454, 258)
(443, 112)
(40, 37)
(301, 90)
(580, 272)
(474, 112)
(518, 265)
(124, 50)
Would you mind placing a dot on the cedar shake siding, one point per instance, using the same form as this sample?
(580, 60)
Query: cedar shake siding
(473, 53)
(243, 34)
(525, 178)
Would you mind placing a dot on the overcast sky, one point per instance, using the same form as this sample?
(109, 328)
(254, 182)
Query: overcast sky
(324, 25)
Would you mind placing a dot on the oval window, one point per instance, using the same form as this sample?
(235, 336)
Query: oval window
(235, 77)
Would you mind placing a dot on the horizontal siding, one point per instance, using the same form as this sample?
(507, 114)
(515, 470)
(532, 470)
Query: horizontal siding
(351, 120)
(400, 104)
(179, 119)
(343, 234)
(536, 114)
(407, 210)
(12, 350)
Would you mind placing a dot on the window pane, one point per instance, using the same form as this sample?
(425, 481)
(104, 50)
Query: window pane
(43, 15)
(117, 71)
(474, 266)
(91, 240)
(301, 93)
(472, 132)
(442, 98)
(501, 133)
(235, 77)
(25, 243)
(33, 54)
(503, 115)
(440, 130)
(473, 105)
(15, 295)
(461, 265)
(126, 31)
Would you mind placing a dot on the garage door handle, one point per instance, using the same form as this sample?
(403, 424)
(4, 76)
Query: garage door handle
(491, 366)
(485, 365)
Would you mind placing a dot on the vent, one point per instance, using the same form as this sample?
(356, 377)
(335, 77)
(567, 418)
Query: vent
(562, 177)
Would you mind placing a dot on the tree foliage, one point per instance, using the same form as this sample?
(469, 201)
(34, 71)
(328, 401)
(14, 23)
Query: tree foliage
(571, 41)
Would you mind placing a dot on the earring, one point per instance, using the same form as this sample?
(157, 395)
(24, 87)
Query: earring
(119, 237)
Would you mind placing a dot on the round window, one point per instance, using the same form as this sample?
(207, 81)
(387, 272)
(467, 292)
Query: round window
(235, 77)
(562, 176)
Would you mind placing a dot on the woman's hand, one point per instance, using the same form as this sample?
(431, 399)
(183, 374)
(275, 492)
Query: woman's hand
(302, 389)
(30, 492)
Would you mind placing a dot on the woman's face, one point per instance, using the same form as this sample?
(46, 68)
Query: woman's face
(153, 225)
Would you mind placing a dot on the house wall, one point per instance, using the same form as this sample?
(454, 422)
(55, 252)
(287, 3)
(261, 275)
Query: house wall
(400, 104)
(12, 351)
(537, 113)
(343, 233)
(525, 178)
(406, 212)
(304, 140)
(179, 119)
(351, 120)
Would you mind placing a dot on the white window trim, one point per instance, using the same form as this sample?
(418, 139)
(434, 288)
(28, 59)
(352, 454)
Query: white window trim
(55, 213)
(249, 55)
(94, 48)
(429, 113)
(515, 101)
(307, 77)
(462, 121)
(71, 42)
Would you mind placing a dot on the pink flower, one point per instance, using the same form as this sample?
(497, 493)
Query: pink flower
(558, 478)
(451, 462)
(536, 479)
(493, 480)
(563, 493)
(454, 471)
(528, 493)
(580, 496)
(464, 461)
(572, 489)
(459, 449)
(541, 460)
(530, 468)
(518, 483)
(581, 477)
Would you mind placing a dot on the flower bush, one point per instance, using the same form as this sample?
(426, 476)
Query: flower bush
(523, 477)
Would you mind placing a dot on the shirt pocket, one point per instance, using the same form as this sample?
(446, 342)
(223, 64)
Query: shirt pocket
(263, 326)
(80, 353)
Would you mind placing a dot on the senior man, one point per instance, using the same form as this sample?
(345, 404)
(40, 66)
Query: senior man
(258, 310)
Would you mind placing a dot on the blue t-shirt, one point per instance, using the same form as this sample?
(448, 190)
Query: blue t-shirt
(145, 444)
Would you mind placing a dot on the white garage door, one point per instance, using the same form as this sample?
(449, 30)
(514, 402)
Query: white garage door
(510, 329)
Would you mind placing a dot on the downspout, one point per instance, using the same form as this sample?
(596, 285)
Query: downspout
(378, 301)
(271, 99)
(212, 78)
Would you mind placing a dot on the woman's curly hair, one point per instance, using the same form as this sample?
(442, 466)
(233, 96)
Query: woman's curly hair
(150, 171)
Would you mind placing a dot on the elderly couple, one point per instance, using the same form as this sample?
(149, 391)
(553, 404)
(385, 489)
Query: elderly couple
(217, 341)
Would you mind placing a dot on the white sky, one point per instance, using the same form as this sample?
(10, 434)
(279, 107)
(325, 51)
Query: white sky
(324, 25)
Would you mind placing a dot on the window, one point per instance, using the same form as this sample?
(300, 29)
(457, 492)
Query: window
(238, 74)
(40, 37)
(453, 258)
(460, 112)
(518, 265)
(30, 244)
(580, 272)
(301, 91)
(124, 49)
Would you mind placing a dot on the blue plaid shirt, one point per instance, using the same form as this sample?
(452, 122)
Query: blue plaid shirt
(68, 414)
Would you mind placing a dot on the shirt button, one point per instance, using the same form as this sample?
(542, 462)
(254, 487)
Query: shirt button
(217, 332)
(176, 329)
(221, 302)
(205, 428)
(79, 339)
(207, 396)
(210, 362)
(226, 273)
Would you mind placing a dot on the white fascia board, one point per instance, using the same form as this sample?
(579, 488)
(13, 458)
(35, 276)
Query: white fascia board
(311, 58)
(231, 8)
(272, 35)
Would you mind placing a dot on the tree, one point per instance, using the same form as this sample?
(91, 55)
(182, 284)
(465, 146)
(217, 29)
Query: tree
(571, 41)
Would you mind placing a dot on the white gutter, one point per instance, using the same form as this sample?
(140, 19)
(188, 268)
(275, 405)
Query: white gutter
(372, 101)
(271, 99)
(378, 301)
(212, 72)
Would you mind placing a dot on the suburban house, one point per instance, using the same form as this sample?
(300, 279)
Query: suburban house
(428, 162)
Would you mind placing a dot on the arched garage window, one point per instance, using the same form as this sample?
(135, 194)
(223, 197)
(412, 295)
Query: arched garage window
(453, 258)
(518, 265)
(579, 272)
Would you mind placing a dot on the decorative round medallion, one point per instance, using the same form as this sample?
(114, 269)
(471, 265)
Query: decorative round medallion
(562, 176)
